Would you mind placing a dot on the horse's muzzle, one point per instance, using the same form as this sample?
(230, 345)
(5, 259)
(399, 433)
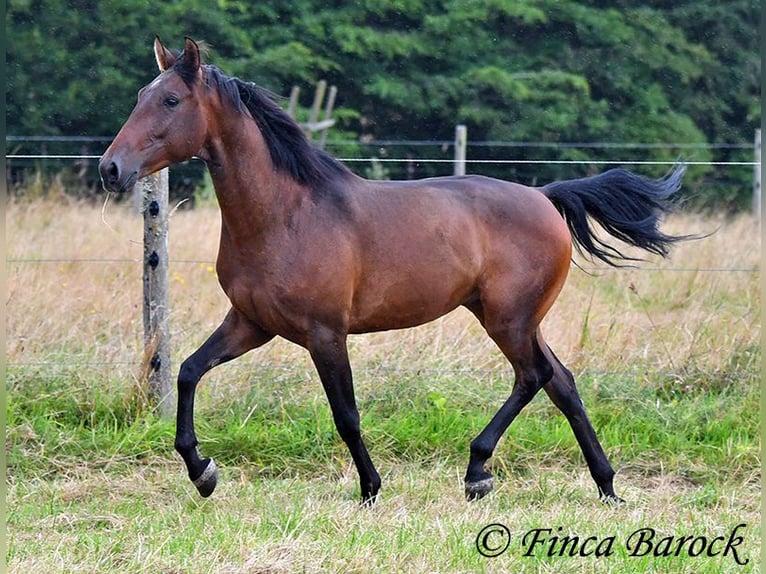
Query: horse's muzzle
(114, 178)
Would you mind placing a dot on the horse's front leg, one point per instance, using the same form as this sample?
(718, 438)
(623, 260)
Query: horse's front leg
(234, 337)
(330, 356)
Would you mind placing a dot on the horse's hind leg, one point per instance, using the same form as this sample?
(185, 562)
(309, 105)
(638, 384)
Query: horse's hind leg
(532, 370)
(563, 392)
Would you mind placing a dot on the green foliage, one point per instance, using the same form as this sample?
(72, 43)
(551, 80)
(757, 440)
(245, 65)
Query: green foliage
(551, 71)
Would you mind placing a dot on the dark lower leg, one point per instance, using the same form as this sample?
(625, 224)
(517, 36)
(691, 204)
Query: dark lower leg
(202, 472)
(532, 371)
(331, 360)
(369, 479)
(235, 336)
(479, 482)
(563, 392)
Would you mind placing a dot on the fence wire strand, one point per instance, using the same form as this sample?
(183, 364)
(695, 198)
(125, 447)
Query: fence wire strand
(451, 160)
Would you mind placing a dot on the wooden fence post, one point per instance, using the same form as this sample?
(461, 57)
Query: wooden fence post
(461, 141)
(757, 176)
(292, 106)
(318, 97)
(328, 114)
(156, 373)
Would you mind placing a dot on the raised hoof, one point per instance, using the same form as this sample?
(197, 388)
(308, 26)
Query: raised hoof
(206, 481)
(479, 489)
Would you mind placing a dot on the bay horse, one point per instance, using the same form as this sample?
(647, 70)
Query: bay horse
(312, 253)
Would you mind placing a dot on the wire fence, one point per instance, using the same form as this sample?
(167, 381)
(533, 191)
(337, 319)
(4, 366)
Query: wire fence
(412, 159)
(105, 140)
(379, 149)
(467, 161)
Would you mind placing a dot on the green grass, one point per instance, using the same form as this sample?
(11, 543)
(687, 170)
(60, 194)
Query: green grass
(95, 485)
(152, 523)
(271, 429)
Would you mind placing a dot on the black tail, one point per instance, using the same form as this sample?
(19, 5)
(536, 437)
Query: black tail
(628, 206)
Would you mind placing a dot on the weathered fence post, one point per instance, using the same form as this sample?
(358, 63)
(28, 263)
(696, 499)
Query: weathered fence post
(292, 106)
(757, 176)
(318, 97)
(461, 141)
(328, 114)
(156, 374)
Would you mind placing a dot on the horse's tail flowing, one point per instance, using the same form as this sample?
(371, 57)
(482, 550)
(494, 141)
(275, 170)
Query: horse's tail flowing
(628, 206)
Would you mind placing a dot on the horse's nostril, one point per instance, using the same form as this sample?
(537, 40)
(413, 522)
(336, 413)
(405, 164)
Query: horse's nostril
(113, 172)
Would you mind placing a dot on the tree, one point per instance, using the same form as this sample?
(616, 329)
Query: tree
(545, 71)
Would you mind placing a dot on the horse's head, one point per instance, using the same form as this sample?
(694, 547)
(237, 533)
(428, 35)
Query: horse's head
(168, 124)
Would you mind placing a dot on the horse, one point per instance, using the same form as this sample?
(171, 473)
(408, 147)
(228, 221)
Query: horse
(313, 253)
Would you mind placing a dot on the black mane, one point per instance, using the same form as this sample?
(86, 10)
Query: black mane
(291, 151)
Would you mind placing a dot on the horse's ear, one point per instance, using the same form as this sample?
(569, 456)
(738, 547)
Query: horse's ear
(191, 55)
(165, 58)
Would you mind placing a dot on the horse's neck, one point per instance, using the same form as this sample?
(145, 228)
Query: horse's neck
(251, 194)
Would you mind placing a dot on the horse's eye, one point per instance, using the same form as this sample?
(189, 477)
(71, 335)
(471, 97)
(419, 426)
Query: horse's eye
(171, 101)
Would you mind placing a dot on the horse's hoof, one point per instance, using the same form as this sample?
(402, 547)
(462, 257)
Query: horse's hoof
(612, 500)
(206, 481)
(479, 489)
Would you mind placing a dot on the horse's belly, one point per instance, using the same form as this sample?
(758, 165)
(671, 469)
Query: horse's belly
(411, 298)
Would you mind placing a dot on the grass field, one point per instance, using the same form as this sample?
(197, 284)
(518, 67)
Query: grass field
(667, 359)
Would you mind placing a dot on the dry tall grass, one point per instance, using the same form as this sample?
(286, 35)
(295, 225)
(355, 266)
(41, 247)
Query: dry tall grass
(74, 296)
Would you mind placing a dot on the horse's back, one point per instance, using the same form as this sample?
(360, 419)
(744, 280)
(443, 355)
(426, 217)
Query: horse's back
(477, 193)
(466, 209)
